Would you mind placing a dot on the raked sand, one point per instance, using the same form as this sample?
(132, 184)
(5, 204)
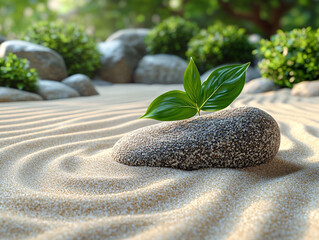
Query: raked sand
(58, 180)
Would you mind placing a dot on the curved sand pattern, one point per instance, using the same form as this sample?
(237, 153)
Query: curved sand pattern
(58, 181)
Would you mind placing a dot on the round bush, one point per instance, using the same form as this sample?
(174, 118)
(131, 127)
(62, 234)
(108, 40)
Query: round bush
(220, 44)
(171, 36)
(14, 73)
(290, 57)
(78, 50)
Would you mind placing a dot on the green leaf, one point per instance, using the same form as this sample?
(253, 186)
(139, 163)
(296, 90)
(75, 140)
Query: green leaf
(222, 87)
(192, 83)
(170, 106)
(219, 90)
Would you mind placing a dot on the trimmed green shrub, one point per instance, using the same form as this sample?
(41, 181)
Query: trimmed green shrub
(14, 73)
(290, 57)
(171, 36)
(78, 50)
(220, 44)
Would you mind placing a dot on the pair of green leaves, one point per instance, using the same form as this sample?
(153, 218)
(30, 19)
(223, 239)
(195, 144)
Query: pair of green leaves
(218, 91)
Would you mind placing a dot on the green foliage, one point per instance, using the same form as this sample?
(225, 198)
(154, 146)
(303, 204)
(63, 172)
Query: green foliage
(260, 17)
(290, 57)
(17, 15)
(218, 91)
(171, 36)
(103, 17)
(14, 73)
(78, 50)
(218, 45)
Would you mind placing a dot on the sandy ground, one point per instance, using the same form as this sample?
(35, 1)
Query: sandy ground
(58, 180)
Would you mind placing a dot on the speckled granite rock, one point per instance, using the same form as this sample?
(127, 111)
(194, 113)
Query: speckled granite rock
(236, 138)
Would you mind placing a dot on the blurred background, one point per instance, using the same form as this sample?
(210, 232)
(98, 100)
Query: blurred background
(100, 18)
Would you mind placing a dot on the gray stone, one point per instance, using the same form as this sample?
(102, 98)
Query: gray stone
(118, 61)
(236, 138)
(252, 73)
(260, 85)
(99, 82)
(254, 38)
(160, 68)
(132, 37)
(2, 39)
(48, 63)
(82, 84)
(14, 95)
(51, 90)
(283, 92)
(306, 89)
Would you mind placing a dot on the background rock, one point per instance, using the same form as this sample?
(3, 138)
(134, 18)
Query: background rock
(283, 92)
(118, 61)
(160, 68)
(306, 89)
(260, 85)
(51, 90)
(252, 73)
(82, 84)
(48, 63)
(2, 39)
(99, 82)
(254, 38)
(132, 37)
(13, 95)
(241, 137)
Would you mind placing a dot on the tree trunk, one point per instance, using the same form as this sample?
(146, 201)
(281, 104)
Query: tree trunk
(267, 26)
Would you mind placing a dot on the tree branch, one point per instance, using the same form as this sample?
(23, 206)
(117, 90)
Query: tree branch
(227, 8)
(268, 26)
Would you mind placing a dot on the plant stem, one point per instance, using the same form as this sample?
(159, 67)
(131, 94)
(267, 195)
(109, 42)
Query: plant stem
(198, 110)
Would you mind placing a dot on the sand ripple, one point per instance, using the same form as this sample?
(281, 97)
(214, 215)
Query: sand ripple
(58, 180)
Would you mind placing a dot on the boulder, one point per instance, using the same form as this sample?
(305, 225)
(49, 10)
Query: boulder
(99, 82)
(160, 68)
(48, 63)
(235, 138)
(118, 61)
(260, 85)
(306, 89)
(2, 39)
(51, 90)
(132, 37)
(82, 84)
(283, 92)
(252, 73)
(14, 95)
